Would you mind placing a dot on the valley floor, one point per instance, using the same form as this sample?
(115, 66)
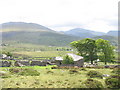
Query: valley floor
(51, 78)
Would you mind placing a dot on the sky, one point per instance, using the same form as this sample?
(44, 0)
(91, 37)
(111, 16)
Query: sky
(63, 15)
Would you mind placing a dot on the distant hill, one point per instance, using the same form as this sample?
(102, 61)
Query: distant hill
(83, 33)
(20, 32)
(114, 33)
(22, 26)
(113, 40)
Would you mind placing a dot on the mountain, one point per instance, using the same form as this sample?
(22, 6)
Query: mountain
(83, 33)
(21, 26)
(21, 32)
(114, 33)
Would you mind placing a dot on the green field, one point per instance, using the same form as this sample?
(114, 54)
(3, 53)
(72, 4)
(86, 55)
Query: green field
(44, 53)
(57, 78)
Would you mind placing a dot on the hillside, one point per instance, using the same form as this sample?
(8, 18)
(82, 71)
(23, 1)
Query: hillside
(22, 26)
(113, 33)
(31, 33)
(112, 39)
(19, 32)
(83, 33)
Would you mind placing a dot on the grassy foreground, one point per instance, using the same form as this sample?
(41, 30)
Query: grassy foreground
(51, 78)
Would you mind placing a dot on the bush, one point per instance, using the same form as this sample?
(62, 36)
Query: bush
(90, 83)
(113, 81)
(83, 69)
(67, 60)
(23, 71)
(29, 72)
(94, 74)
(73, 71)
(116, 71)
(49, 72)
(54, 67)
(15, 70)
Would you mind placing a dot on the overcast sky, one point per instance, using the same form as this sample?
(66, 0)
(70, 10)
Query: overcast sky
(97, 15)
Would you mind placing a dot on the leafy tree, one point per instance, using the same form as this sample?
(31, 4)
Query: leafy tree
(106, 51)
(87, 48)
(67, 60)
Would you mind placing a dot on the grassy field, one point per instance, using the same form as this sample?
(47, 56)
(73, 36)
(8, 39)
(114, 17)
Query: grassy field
(51, 78)
(44, 53)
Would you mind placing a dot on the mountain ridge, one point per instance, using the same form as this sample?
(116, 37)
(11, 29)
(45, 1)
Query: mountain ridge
(14, 26)
(41, 35)
(83, 33)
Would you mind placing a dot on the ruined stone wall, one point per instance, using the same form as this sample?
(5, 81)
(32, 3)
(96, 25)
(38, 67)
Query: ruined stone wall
(5, 63)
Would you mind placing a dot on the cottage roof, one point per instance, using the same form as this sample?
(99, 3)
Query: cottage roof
(75, 57)
(59, 58)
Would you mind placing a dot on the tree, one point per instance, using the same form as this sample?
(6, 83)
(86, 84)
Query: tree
(67, 60)
(105, 50)
(7, 53)
(87, 48)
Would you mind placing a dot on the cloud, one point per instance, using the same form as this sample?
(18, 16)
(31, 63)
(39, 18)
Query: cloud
(62, 14)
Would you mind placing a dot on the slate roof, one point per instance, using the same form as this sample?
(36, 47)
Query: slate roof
(75, 57)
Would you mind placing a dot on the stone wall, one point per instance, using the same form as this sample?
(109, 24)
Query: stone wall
(5, 63)
(79, 63)
(38, 63)
(21, 63)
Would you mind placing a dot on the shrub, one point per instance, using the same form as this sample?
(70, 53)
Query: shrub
(15, 70)
(67, 60)
(73, 71)
(54, 67)
(90, 83)
(94, 74)
(49, 72)
(29, 72)
(83, 69)
(113, 81)
(23, 71)
(116, 71)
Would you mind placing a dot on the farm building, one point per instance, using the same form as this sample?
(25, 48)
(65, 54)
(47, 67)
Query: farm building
(78, 60)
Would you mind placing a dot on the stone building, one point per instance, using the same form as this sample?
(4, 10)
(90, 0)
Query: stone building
(78, 60)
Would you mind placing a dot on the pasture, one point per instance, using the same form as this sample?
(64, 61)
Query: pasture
(51, 78)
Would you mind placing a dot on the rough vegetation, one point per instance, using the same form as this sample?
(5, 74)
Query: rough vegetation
(24, 72)
(90, 83)
(4, 74)
(116, 70)
(94, 74)
(52, 78)
(113, 81)
(73, 71)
